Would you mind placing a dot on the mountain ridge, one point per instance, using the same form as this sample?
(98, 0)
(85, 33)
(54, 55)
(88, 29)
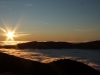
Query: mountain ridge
(60, 45)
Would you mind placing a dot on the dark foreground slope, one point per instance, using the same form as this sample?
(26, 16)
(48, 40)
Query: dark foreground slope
(10, 65)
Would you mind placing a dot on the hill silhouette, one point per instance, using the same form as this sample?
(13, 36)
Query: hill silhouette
(11, 65)
(59, 45)
(88, 45)
(55, 45)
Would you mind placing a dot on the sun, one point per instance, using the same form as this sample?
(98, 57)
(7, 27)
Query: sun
(10, 35)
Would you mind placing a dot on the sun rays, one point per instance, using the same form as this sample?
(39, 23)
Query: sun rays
(11, 33)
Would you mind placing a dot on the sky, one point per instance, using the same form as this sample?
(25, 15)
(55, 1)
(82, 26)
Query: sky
(51, 20)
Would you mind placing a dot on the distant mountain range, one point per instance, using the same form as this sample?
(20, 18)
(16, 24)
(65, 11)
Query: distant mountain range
(56, 45)
(60, 45)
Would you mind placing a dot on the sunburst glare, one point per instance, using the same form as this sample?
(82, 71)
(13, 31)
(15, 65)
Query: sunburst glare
(11, 34)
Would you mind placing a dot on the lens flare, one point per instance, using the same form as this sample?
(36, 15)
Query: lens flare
(10, 34)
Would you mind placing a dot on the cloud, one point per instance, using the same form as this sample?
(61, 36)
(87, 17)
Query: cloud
(29, 4)
(43, 23)
(83, 30)
(9, 4)
(46, 23)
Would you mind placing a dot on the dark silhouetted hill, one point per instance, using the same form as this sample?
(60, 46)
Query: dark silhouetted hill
(45, 45)
(60, 45)
(11, 65)
(88, 45)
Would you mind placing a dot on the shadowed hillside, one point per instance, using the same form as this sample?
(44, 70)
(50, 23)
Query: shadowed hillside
(10, 65)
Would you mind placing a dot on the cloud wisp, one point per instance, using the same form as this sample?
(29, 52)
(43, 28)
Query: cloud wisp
(83, 30)
(29, 4)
